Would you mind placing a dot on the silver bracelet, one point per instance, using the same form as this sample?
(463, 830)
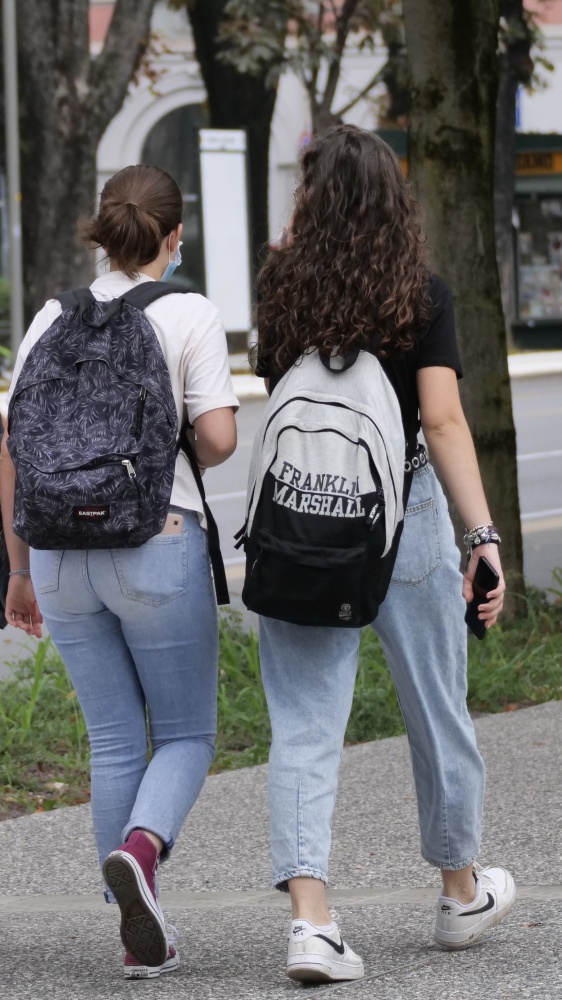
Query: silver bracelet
(482, 534)
(19, 572)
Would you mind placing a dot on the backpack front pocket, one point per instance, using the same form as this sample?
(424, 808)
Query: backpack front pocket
(305, 584)
(89, 506)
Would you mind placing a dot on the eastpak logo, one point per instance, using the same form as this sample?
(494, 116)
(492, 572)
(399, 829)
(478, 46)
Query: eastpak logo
(92, 513)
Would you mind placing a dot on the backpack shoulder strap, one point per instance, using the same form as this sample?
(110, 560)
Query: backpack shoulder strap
(82, 297)
(215, 555)
(147, 292)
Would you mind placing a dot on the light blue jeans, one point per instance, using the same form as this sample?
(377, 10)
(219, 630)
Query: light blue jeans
(137, 630)
(309, 676)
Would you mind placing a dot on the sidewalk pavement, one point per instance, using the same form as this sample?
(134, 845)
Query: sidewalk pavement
(60, 942)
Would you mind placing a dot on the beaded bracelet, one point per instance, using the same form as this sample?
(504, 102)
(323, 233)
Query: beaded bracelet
(19, 572)
(482, 534)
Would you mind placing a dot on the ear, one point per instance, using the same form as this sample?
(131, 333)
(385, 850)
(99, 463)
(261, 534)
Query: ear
(175, 237)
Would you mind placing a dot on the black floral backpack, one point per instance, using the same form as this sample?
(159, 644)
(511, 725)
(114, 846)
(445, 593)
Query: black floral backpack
(93, 430)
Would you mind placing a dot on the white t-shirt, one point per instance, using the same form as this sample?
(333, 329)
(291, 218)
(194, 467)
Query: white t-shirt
(193, 341)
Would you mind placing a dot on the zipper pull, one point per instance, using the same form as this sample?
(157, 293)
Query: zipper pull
(129, 467)
(376, 510)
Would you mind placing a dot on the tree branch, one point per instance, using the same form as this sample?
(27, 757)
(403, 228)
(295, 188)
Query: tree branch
(110, 73)
(315, 62)
(362, 93)
(342, 31)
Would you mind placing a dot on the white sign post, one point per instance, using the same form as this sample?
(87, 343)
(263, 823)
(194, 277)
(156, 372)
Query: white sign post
(224, 205)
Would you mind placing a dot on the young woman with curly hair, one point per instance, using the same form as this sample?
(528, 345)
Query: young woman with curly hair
(350, 273)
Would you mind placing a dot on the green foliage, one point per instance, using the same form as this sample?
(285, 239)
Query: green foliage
(520, 662)
(303, 36)
(4, 301)
(44, 756)
(243, 722)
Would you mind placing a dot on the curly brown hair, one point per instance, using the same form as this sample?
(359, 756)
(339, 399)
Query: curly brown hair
(352, 263)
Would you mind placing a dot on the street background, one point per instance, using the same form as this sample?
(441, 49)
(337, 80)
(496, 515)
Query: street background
(537, 405)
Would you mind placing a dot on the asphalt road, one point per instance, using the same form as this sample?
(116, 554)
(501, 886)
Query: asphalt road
(538, 416)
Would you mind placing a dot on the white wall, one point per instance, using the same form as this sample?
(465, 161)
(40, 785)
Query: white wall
(291, 123)
(541, 111)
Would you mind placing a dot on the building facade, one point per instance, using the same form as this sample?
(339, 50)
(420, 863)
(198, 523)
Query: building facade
(158, 124)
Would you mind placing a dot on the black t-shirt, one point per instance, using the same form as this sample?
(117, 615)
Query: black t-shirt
(437, 347)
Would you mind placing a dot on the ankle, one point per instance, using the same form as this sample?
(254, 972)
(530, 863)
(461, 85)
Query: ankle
(308, 901)
(158, 844)
(320, 917)
(460, 885)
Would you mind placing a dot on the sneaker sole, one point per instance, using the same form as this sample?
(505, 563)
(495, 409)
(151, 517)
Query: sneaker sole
(317, 970)
(486, 925)
(150, 972)
(142, 928)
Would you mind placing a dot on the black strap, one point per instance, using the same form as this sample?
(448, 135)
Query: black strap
(140, 296)
(82, 297)
(349, 360)
(221, 585)
(146, 292)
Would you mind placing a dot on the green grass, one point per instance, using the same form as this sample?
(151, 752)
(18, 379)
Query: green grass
(44, 749)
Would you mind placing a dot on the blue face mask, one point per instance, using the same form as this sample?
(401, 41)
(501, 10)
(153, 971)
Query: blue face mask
(172, 264)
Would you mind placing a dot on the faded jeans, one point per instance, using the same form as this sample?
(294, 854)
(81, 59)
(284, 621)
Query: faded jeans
(137, 630)
(309, 676)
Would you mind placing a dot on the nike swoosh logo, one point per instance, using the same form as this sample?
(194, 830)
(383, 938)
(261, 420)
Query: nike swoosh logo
(340, 948)
(488, 906)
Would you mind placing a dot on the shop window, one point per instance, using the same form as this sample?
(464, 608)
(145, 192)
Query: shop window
(539, 257)
(173, 145)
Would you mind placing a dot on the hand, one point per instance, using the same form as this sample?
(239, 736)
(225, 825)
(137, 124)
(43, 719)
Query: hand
(487, 612)
(22, 609)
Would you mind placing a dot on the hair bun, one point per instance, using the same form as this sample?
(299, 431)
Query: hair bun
(133, 239)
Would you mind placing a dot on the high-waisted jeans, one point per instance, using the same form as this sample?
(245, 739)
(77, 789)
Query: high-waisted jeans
(137, 630)
(309, 676)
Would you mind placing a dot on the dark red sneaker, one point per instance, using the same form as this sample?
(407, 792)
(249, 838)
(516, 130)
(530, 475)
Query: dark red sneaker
(132, 969)
(130, 873)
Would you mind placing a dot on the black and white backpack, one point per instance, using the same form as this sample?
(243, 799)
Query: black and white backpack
(94, 431)
(325, 494)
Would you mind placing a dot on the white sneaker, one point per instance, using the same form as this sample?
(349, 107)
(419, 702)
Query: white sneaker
(459, 926)
(320, 956)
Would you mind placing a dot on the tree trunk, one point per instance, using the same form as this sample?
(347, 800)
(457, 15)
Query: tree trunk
(504, 188)
(452, 52)
(237, 100)
(515, 68)
(67, 102)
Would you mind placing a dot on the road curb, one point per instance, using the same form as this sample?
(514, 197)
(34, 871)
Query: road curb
(535, 363)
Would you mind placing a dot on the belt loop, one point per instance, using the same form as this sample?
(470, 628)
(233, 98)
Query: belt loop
(419, 459)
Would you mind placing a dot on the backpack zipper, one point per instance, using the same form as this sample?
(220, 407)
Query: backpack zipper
(129, 467)
(140, 410)
(101, 463)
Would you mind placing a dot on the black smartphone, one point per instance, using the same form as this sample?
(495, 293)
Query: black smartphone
(485, 579)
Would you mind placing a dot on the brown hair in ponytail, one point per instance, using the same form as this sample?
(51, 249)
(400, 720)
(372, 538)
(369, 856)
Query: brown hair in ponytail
(139, 207)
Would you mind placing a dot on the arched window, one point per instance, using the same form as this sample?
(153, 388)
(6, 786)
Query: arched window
(173, 145)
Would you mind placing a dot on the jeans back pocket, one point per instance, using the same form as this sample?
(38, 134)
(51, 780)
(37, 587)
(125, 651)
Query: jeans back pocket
(153, 573)
(419, 551)
(45, 569)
